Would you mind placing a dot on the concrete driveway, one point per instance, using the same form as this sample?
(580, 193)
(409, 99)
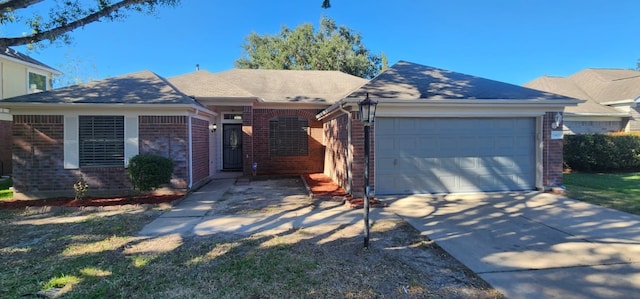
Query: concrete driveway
(534, 245)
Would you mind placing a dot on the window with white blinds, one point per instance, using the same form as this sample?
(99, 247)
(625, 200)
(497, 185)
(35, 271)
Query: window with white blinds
(101, 141)
(289, 136)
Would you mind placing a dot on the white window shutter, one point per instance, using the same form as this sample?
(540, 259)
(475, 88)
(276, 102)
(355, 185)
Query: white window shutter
(130, 138)
(71, 146)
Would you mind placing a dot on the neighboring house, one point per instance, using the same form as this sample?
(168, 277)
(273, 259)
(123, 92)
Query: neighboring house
(436, 131)
(611, 97)
(19, 75)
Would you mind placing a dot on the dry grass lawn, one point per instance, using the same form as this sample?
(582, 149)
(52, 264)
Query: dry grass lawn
(96, 253)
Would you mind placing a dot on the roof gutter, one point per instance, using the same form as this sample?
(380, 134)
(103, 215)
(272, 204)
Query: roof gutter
(463, 103)
(349, 151)
(457, 102)
(634, 104)
(326, 112)
(621, 114)
(7, 104)
(229, 101)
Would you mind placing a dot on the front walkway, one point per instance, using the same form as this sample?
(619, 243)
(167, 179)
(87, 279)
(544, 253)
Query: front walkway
(197, 213)
(534, 245)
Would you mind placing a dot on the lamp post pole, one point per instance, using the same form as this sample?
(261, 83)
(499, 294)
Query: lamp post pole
(367, 129)
(367, 109)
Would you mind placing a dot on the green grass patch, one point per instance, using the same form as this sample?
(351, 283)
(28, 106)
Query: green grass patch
(62, 281)
(620, 191)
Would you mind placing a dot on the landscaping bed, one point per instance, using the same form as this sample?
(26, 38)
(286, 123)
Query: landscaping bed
(91, 201)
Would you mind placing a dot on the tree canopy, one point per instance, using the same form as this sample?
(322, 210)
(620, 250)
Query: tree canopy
(331, 47)
(65, 16)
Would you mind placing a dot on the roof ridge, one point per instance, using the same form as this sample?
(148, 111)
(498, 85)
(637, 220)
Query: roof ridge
(626, 78)
(572, 80)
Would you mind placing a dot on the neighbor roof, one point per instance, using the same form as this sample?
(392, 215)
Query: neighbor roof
(277, 86)
(600, 85)
(17, 56)
(597, 86)
(411, 81)
(137, 88)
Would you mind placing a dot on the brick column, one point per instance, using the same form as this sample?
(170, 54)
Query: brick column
(247, 140)
(5, 147)
(552, 158)
(357, 139)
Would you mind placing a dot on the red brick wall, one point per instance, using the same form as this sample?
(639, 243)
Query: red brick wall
(336, 159)
(38, 157)
(267, 164)
(200, 141)
(167, 136)
(551, 153)
(357, 139)
(38, 154)
(38, 151)
(5, 147)
(247, 140)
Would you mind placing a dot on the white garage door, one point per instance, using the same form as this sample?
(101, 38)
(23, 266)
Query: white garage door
(450, 155)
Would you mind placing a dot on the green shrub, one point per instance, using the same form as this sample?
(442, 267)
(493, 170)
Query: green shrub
(148, 172)
(5, 183)
(5, 191)
(600, 152)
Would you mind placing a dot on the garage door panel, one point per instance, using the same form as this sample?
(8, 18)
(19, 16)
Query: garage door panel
(467, 163)
(416, 184)
(385, 163)
(499, 163)
(425, 143)
(444, 155)
(388, 145)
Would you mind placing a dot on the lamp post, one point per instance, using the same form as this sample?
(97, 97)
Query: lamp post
(367, 109)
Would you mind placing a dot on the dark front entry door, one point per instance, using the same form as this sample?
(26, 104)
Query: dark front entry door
(232, 147)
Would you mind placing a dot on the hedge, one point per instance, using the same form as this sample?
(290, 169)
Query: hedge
(602, 152)
(148, 172)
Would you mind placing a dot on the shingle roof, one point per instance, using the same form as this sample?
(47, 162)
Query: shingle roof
(205, 84)
(595, 86)
(137, 88)
(278, 86)
(411, 81)
(11, 53)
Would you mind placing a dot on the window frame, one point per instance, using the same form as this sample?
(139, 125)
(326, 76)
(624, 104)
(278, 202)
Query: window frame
(36, 73)
(100, 145)
(289, 136)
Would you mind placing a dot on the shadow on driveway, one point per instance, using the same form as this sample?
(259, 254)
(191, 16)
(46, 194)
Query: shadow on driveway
(533, 245)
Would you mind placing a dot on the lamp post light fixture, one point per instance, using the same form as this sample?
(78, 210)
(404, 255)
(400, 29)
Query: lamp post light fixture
(367, 109)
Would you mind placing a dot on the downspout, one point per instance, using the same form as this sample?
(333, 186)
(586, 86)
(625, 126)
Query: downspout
(349, 151)
(189, 151)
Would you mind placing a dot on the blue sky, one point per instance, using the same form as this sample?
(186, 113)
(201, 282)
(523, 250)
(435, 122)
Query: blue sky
(513, 41)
